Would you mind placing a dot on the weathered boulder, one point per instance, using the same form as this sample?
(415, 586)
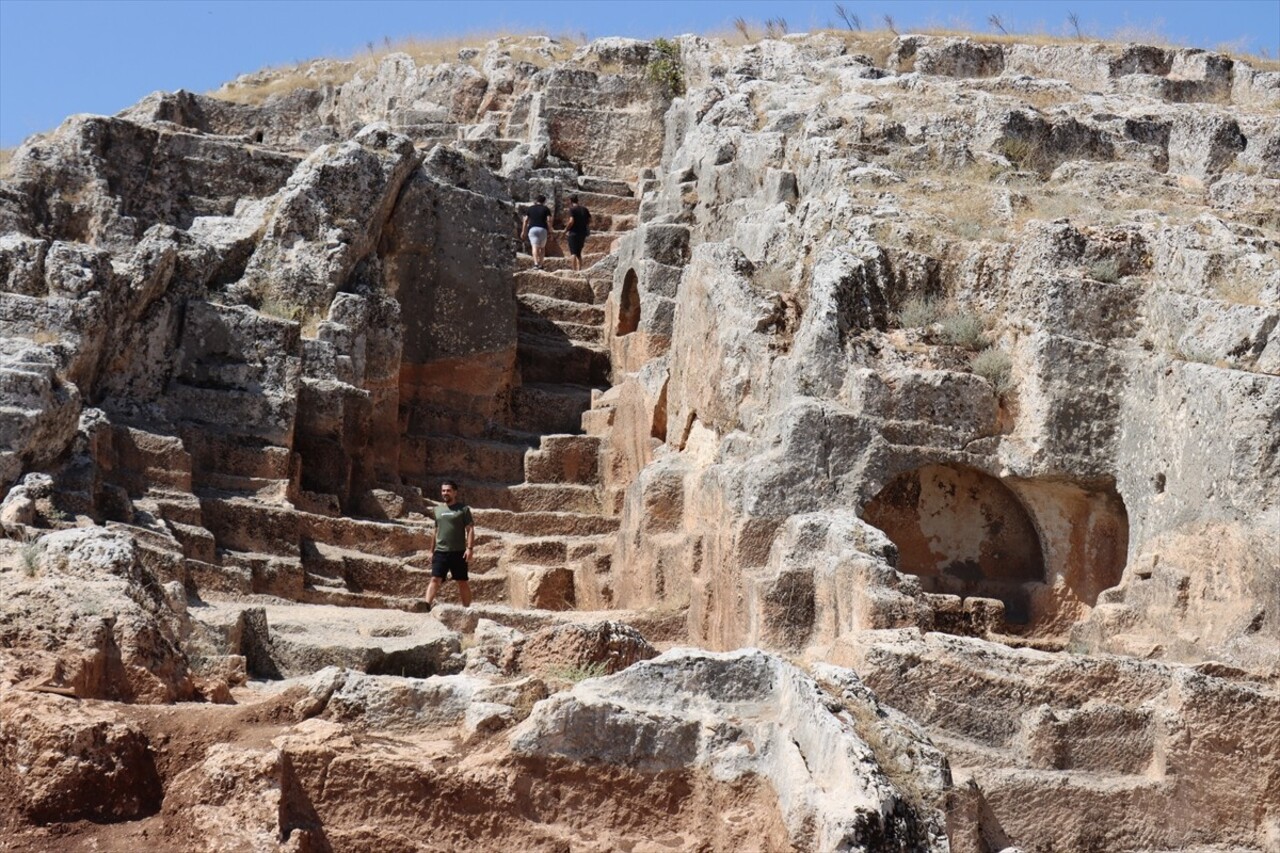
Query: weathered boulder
(61, 762)
(327, 219)
(744, 713)
(80, 611)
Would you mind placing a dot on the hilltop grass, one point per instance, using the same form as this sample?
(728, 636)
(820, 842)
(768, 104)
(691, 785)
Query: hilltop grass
(323, 71)
(877, 44)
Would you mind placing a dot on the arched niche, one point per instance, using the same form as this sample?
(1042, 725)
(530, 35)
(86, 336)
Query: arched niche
(629, 309)
(963, 533)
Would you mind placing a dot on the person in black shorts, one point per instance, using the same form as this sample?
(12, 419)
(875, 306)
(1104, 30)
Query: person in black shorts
(577, 231)
(452, 540)
(537, 226)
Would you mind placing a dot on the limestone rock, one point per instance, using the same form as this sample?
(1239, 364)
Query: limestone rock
(733, 714)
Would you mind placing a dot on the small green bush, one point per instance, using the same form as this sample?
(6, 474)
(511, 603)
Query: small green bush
(918, 312)
(1105, 270)
(31, 554)
(665, 68)
(996, 367)
(964, 330)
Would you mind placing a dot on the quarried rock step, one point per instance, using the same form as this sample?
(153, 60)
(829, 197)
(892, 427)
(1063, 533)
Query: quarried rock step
(245, 525)
(601, 241)
(562, 310)
(142, 461)
(355, 571)
(564, 459)
(558, 263)
(549, 408)
(436, 456)
(555, 497)
(568, 288)
(609, 203)
(286, 640)
(531, 323)
(544, 359)
(540, 587)
(545, 523)
(604, 186)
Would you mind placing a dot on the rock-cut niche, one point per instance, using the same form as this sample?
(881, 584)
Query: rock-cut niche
(963, 533)
(629, 310)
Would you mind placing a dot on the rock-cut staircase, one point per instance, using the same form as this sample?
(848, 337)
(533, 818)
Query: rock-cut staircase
(542, 525)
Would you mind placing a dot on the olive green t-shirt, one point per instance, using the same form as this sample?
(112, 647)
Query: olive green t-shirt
(451, 526)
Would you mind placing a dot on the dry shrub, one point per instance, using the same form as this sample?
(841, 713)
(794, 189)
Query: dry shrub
(996, 367)
(964, 329)
(918, 312)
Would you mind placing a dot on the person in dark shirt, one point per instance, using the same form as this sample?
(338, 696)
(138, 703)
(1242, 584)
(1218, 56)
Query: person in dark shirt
(451, 543)
(537, 218)
(577, 231)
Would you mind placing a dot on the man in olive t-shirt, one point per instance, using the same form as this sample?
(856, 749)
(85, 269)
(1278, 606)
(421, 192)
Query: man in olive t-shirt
(452, 540)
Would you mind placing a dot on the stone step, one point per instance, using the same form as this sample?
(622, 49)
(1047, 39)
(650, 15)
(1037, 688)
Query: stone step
(598, 421)
(489, 546)
(601, 242)
(356, 571)
(564, 459)
(205, 578)
(605, 186)
(486, 588)
(529, 323)
(25, 386)
(236, 455)
(197, 542)
(245, 525)
(562, 310)
(543, 359)
(567, 288)
(340, 597)
(609, 203)
(536, 551)
(269, 574)
(545, 523)
(549, 407)
(171, 505)
(554, 497)
(541, 587)
(432, 457)
(558, 264)
(143, 460)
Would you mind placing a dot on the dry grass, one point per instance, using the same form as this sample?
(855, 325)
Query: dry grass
(966, 206)
(6, 157)
(321, 72)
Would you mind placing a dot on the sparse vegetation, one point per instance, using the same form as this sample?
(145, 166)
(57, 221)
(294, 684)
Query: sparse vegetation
(963, 329)
(665, 68)
(918, 312)
(579, 672)
(1106, 270)
(852, 21)
(318, 73)
(32, 554)
(6, 157)
(995, 366)
(775, 28)
(1241, 291)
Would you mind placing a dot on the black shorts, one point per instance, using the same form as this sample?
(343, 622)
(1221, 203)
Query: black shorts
(446, 563)
(576, 242)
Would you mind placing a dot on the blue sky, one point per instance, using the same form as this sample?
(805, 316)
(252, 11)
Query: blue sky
(59, 57)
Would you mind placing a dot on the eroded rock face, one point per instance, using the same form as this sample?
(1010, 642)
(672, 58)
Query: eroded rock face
(955, 362)
(81, 612)
(736, 714)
